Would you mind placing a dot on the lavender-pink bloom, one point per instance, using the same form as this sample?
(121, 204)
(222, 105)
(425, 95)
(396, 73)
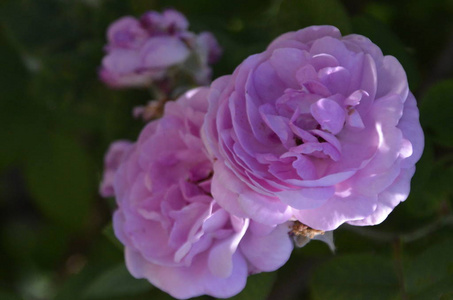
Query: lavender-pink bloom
(169, 22)
(320, 128)
(126, 33)
(174, 233)
(142, 51)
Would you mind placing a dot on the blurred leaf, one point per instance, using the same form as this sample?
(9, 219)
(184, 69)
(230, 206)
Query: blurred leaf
(102, 256)
(39, 25)
(389, 43)
(362, 276)
(56, 239)
(13, 86)
(6, 295)
(161, 295)
(73, 286)
(430, 274)
(20, 238)
(116, 282)
(110, 234)
(60, 178)
(447, 296)
(290, 15)
(12, 65)
(381, 11)
(258, 287)
(36, 284)
(429, 186)
(436, 112)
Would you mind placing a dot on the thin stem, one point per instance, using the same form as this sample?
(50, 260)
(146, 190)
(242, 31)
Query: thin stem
(398, 261)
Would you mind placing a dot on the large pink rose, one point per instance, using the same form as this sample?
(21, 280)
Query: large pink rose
(174, 232)
(319, 128)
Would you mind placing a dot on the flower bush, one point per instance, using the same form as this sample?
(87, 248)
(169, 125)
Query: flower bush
(316, 131)
(57, 237)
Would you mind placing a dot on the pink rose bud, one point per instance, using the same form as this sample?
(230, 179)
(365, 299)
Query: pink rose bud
(174, 232)
(319, 128)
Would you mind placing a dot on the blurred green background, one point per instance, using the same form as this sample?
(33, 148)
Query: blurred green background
(57, 120)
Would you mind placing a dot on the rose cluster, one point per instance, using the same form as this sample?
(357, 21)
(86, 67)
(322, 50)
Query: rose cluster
(140, 51)
(316, 131)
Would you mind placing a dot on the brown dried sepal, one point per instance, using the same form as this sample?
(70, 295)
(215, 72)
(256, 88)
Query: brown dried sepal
(299, 229)
(153, 110)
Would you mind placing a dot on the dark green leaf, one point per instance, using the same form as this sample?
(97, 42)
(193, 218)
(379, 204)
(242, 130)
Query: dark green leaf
(436, 112)
(110, 234)
(6, 295)
(352, 277)
(258, 287)
(430, 185)
(290, 15)
(430, 274)
(116, 282)
(447, 296)
(13, 85)
(60, 178)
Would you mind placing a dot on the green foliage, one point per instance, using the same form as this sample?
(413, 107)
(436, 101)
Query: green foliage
(110, 234)
(427, 188)
(364, 276)
(115, 282)
(258, 287)
(61, 180)
(437, 108)
(290, 15)
(430, 274)
(6, 295)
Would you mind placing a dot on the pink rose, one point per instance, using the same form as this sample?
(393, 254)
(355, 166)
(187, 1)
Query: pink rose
(174, 232)
(318, 128)
(142, 51)
(169, 22)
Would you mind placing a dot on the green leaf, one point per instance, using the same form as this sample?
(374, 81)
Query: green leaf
(116, 282)
(430, 185)
(6, 295)
(389, 43)
(447, 296)
(61, 180)
(258, 286)
(350, 277)
(289, 15)
(74, 285)
(13, 86)
(430, 274)
(110, 234)
(436, 110)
